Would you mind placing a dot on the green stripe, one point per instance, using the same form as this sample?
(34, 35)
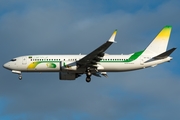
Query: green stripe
(52, 65)
(130, 59)
(134, 56)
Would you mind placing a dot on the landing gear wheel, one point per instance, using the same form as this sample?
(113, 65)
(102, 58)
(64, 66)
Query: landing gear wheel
(20, 77)
(88, 79)
(88, 73)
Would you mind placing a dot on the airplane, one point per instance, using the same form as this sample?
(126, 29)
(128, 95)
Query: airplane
(97, 62)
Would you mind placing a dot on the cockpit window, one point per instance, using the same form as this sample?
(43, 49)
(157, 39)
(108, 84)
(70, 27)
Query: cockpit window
(13, 59)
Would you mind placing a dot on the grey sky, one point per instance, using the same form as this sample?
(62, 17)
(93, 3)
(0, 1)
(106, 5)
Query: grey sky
(68, 27)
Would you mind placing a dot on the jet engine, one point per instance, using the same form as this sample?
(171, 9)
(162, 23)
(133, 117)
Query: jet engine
(68, 66)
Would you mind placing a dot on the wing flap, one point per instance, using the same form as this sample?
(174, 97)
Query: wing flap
(100, 73)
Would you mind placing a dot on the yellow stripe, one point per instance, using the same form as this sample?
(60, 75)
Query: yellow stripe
(164, 34)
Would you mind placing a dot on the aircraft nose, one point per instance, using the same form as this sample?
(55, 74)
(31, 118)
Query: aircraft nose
(6, 65)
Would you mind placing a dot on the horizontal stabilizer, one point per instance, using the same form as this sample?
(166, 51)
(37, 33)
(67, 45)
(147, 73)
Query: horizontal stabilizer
(163, 55)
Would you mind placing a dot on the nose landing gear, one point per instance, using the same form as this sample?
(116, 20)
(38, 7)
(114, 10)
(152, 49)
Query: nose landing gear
(20, 77)
(17, 72)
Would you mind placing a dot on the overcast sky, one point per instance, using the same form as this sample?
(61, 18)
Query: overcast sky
(73, 27)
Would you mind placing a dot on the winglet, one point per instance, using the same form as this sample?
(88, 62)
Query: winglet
(113, 36)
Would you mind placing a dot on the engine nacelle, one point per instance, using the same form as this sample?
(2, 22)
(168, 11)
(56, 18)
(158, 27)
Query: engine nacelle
(67, 76)
(68, 66)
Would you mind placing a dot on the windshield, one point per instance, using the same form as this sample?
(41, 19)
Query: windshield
(13, 59)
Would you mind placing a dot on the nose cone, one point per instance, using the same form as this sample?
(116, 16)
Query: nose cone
(6, 65)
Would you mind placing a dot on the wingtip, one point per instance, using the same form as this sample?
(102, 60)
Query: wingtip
(112, 38)
(115, 31)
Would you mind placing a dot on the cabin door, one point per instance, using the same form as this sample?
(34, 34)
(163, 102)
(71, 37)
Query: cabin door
(24, 60)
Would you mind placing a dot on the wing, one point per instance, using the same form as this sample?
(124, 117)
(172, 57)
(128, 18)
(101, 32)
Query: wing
(95, 56)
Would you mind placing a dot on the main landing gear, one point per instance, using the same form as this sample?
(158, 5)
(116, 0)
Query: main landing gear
(88, 79)
(88, 75)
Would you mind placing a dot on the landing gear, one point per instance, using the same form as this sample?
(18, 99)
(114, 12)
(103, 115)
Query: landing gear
(20, 77)
(88, 79)
(17, 72)
(88, 75)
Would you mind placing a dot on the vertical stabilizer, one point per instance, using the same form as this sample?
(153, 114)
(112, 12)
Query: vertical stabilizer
(159, 44)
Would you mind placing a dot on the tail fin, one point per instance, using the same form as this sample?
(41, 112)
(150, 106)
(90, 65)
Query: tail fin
(159, 44)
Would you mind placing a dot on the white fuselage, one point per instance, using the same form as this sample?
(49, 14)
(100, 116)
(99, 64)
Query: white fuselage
(51, 63)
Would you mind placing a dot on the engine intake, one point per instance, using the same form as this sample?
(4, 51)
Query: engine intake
(68, 66)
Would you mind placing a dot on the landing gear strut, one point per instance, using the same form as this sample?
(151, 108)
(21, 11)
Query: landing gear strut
(17, 72)
(88, 75)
